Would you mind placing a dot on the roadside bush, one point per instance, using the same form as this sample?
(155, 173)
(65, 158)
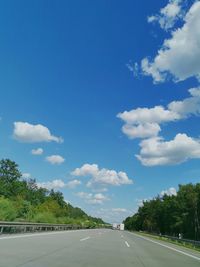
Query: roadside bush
(44, 217)
(7, 210)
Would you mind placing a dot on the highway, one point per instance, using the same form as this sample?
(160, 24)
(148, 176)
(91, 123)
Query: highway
(92, 248)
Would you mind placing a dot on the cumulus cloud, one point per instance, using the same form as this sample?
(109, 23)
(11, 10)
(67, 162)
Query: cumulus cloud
(189, 106)
(147, 115)
(73, 183)
(55, 159)
(112, 215)
(37, 151)
(169, 192)
(29, 133)
(86, 169)
(102, 176)
(59, 184)
(142, 130)
(91, 198)
(179, 55)
(168, 15)
(55, 184)
(145, 122)
(155, 151)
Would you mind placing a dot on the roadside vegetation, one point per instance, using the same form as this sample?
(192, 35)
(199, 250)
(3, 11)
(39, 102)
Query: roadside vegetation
(179, 242)
(23, 200)
(177, 215)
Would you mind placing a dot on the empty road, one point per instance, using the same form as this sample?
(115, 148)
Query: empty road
(92, 248)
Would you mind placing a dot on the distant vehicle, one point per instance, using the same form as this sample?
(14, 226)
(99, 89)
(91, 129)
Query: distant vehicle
(116, 226)
(121, 227)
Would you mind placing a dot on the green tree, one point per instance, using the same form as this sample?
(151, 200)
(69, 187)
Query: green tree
(10, 175)
(23, 200)
(7, 210)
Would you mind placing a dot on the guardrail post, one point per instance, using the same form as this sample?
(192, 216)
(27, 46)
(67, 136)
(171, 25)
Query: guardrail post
(1, 231)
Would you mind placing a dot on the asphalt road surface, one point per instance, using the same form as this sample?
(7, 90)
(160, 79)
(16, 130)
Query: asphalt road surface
(92, 248)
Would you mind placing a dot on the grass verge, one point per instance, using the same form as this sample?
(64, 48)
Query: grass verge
(175, 242)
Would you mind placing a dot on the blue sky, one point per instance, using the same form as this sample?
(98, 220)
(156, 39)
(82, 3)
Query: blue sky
(71, 69)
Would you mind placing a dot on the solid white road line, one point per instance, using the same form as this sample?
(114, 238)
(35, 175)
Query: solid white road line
(127, 244)
(163, 245)
(85, 238)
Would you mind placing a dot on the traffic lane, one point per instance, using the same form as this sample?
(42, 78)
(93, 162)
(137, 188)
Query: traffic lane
(18, 249)
(91, 248)
(96, 248)
(173, 247)
(103, 249)
(107, 250)
(161, 255)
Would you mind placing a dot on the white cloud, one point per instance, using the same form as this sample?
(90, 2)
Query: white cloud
(84, 195)
(59, 184)
(150, 69)
(147, 115)
(73, 183)
(188, 106)
(102, 176)
(99, 189)
(98, 198)
(169, 192)
(90, 198)
(145, 122)
(26, 175)
(86, 169)
(37, 151)
(179, 55)
(141, 130)
(119, 210)
(156, 151)
(26, 132)
(112, 215)
(168, 15)
(55, 159)
(55, 184)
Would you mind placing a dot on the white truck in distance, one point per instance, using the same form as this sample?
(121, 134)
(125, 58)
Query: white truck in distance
(121, 227)
(118, 226)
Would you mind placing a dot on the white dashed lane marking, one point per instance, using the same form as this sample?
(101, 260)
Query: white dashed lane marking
(85, 238)
(127, 244)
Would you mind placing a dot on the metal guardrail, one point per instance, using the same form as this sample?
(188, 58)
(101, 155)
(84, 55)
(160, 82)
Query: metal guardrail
(195, 243)
(24, 227)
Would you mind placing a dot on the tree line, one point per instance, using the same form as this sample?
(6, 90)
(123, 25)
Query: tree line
(170, 215)
(23, 200)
